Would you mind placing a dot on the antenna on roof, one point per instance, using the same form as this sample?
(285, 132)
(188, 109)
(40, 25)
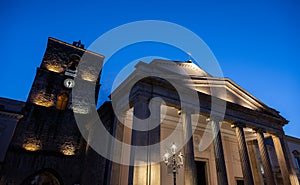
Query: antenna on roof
(189, 57)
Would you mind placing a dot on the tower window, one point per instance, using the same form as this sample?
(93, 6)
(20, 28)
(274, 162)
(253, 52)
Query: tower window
(297, 158)
(297, 162)
(73, 62)
(62, 101)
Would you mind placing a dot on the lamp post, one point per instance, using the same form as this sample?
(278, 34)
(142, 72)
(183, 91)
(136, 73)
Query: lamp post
(174, 161)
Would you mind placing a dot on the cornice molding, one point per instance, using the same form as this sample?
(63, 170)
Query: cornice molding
(11, 115)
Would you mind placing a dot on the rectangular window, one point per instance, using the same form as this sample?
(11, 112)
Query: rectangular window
(297, 162)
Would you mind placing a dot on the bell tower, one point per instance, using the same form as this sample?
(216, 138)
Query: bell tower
(47, 139)
(54, 79)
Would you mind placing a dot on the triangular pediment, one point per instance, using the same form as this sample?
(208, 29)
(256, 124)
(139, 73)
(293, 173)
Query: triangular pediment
(223, 88)
(234, 93)
(183, 68)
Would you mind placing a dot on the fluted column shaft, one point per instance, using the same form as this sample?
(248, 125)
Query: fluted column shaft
(245, 162)
(219, 153)
(265, 158)
(283, 163)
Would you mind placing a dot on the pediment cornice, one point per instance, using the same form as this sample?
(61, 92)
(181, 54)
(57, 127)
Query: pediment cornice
(203, 84)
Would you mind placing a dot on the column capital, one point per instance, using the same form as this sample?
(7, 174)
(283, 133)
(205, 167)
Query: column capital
(140, 98)
(259, 130)
(187, 110)
(279, 134)
(238, 124)
(214, 119)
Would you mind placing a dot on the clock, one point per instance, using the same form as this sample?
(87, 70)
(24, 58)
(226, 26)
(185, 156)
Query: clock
(69, 83)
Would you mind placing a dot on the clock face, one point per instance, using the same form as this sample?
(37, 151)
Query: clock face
(69, 83)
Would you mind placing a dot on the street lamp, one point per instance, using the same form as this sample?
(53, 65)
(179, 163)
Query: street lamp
(174, 162)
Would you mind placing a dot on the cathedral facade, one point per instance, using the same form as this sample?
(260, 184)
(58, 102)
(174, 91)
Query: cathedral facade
(223, 134)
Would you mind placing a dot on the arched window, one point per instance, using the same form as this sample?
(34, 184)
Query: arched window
(73, 62)
(42, 177)
(62, 101)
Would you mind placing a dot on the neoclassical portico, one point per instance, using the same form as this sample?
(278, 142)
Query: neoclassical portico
(221, 125)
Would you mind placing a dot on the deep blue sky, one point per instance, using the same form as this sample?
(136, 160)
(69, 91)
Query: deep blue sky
(256, 43)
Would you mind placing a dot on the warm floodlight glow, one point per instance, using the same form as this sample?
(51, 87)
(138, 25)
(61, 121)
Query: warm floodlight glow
(44, 99)
(88, 77)
(80, 108)
(54, 68)
(249, 130)
(31, 147)
(68, 149)
(147, 174)
(32, 144)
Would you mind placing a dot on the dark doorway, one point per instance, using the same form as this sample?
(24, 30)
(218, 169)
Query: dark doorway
(201, 172)
(240, 182)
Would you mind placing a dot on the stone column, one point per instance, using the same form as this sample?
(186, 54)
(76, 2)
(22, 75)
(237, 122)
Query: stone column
(190, 175)
(115, 176)
(146, 117)
(255, 163)
(219, 154)
(138, 138)
(154, 174)
(265, 157)
(110, 165)
(125, 153)
(244, 157)
(282, 154)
